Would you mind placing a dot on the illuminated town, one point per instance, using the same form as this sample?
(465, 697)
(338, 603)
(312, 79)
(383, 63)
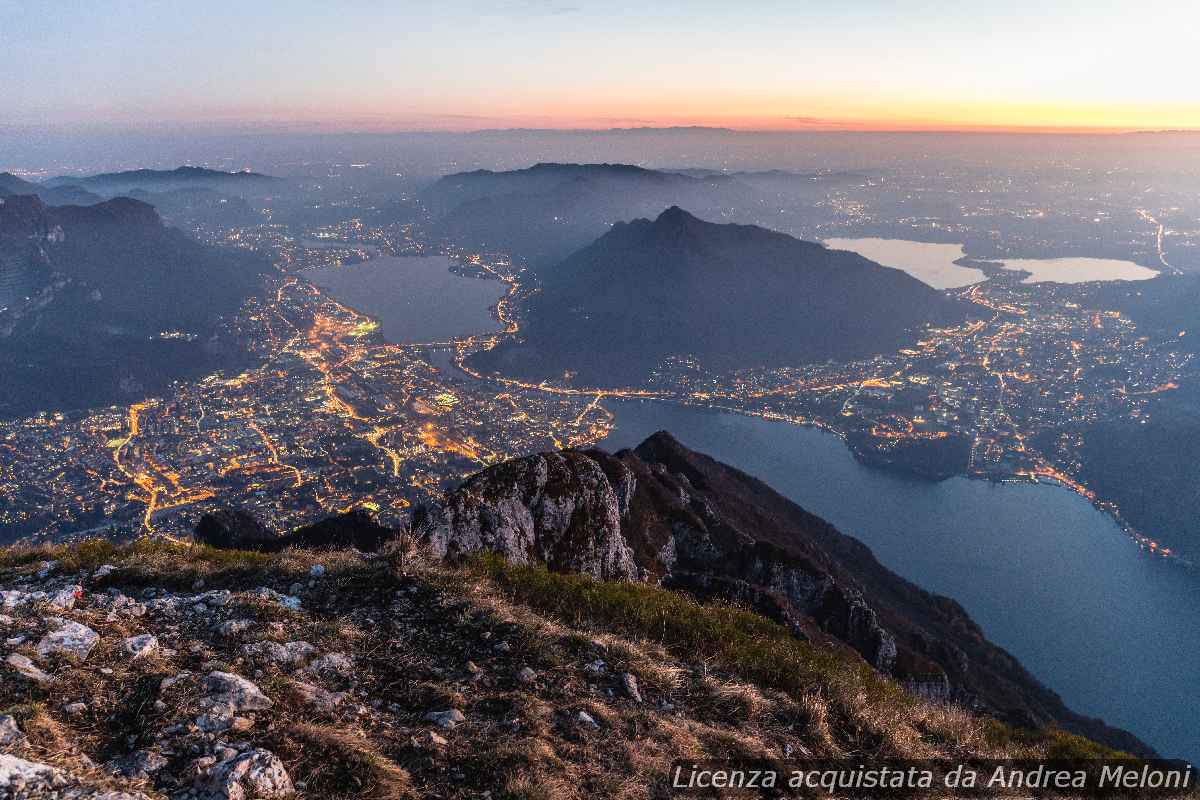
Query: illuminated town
(335, 418)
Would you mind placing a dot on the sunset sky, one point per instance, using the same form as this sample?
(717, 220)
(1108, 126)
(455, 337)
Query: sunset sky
(1109, 64)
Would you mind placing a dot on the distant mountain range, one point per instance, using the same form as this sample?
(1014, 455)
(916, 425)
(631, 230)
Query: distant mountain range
(730, 295)
(65, 195)
(86, 291)
(113, 183)
(545, 212)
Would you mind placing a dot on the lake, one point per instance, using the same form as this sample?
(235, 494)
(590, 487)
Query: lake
(1079, 270)
(928, 262)
(414, 298)
(1114, 631)
(933, 264)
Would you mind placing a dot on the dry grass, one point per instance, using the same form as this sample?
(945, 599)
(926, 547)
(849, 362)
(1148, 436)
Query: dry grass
(718, 682)
(335, 763)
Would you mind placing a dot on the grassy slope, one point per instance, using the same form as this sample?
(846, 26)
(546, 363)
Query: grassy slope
(739, 685)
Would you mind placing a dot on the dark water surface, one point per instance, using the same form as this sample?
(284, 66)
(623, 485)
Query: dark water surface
(414, 298)
(1114, 631)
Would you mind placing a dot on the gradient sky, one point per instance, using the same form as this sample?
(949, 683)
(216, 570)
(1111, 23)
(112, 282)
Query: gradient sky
(452, 65)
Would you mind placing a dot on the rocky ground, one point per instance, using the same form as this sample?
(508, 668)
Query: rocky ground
(155, 670)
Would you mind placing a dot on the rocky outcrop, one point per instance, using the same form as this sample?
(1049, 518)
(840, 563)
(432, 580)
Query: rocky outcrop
(592, 512)
(665, 514)
(556, 508)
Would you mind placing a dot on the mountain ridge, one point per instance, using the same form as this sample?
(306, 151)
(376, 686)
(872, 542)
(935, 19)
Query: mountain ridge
(732, 296)
(541, 214)
(86, 291)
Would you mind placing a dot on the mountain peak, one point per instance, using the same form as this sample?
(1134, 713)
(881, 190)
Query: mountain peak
(674, 217)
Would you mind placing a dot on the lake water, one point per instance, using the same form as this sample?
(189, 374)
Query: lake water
(1048, 577)
(926, 261)
(414, 298)
(1079, 270)
(934, 264)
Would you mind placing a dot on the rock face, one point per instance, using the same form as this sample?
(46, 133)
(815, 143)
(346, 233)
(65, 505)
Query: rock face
(558, 508)
(665, 514)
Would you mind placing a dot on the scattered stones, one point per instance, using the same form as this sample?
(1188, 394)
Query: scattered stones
(141, 646)
(45, 568)
(167, 683)
(254, 775)
(317, 571)
(120, 606)
(61, 599)
(287, 601)
(446, 719)
(103, 571)
(68, 639)
(587, 720)
(526, 675)
(26, 667)
(74, 709)
(596, 668)
(502, 647)
(629, 683)
(224, 690)
(473, 668)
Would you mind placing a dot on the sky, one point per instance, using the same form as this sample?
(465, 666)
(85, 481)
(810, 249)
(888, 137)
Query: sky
(468, 65)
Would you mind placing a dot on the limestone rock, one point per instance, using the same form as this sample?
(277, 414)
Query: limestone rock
(68, 639)
(10, 734)
(558, 508)
(254, 775)
(141, 646)
(233, 693)
(26, 667)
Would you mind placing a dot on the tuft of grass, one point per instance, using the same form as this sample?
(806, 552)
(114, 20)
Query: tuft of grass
(336, 763)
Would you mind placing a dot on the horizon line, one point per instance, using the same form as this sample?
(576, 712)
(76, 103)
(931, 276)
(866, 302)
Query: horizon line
(316, 128)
